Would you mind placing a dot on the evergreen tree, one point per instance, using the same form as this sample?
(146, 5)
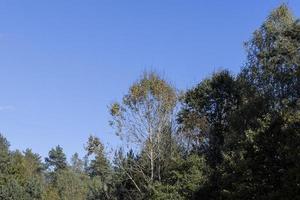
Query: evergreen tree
(99, 171)
(77, 164)
(56, 159)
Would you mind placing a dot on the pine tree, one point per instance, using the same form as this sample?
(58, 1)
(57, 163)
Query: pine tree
(56, 159)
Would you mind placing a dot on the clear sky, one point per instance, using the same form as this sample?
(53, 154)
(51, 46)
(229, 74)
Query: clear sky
(63, 62)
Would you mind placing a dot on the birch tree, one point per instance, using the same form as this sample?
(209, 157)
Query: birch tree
(142, 116)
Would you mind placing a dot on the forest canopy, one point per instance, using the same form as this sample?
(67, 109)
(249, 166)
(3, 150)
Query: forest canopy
(231, 136)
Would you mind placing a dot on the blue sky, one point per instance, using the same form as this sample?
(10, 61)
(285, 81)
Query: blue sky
(63, 62)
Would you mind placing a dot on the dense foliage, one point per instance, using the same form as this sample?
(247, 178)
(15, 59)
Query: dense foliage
(229, 137)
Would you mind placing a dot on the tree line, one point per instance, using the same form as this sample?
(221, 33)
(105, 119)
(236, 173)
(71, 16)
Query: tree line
(228, 137)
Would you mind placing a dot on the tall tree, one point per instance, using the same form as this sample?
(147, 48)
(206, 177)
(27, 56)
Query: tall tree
(207, 109)
(206, 113)
(99, 170)
(273, 65)
(99, 166)
(143, 114)
(272, 73)
(56, 159)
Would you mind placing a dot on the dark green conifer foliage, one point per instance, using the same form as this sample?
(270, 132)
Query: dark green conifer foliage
(56, 159)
